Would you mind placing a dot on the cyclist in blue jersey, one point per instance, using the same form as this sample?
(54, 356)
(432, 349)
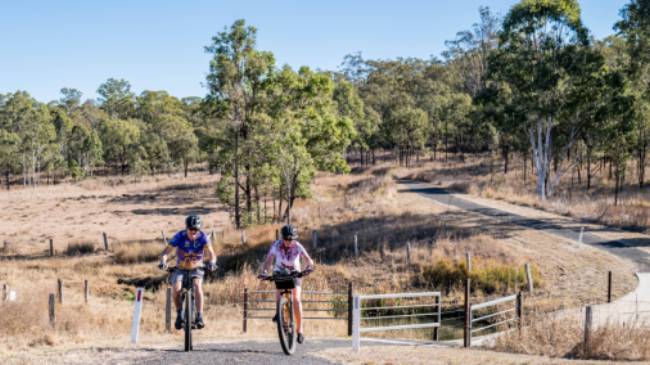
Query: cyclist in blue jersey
(190, 244)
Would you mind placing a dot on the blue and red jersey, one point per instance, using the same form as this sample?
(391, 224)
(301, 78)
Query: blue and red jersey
(189, 254)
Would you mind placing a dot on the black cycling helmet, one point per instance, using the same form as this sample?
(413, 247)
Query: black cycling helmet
(289, 232)
(193, 222)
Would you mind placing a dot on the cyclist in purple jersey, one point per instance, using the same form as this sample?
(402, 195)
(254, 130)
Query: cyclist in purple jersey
(190, 244)
(285, 254)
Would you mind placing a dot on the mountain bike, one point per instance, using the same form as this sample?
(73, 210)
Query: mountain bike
(284, 307)
(188, 305)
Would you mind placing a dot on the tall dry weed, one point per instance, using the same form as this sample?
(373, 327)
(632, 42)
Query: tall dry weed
(563, 337)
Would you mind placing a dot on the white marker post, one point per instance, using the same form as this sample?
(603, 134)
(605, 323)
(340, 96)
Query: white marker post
(356, 324)
(582, 233)
(12, 296)
(137, 314)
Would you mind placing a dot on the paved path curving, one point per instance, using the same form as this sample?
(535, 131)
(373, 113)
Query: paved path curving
(627, 249)
(633, 309)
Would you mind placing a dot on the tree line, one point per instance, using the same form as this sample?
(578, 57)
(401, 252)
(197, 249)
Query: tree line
(533, 83)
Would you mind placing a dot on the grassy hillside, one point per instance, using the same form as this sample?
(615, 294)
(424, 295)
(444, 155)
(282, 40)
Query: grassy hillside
(367, 203)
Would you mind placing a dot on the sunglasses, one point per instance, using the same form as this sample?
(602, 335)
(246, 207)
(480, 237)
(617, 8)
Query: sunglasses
(193, 230)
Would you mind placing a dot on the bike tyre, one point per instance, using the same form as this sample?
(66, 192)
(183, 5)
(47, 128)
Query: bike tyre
(287, 338)
(188, 321)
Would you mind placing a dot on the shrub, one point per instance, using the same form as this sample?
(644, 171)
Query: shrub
(486, 277)
(76, 249)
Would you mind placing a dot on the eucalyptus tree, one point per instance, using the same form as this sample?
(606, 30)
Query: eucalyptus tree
(238, 72)
(350, 105)
(71, 98)
(540, 42)
(470, 51)
(9, 155)
(634, 29)
(31, 122)
(116, 98)
(121, 140)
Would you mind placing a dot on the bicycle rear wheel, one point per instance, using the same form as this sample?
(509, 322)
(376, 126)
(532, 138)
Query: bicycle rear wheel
(188, 320)
(286, 325)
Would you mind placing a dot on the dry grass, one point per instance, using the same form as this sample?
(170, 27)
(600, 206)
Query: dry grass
(570, 199)
(127, 211)
(137, 252)
(563, 337)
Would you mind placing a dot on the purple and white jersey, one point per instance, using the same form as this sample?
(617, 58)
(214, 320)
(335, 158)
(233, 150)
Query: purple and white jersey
(189, 254)
(288, 257)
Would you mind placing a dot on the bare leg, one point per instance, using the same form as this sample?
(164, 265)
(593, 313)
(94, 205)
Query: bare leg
(297, 308)
(176, 288)
(198, 295)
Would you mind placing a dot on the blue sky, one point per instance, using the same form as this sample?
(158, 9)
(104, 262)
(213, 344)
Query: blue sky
(158, 45)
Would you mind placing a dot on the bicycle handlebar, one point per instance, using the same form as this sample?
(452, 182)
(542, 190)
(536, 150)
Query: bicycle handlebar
(293, 274)
(171, 269)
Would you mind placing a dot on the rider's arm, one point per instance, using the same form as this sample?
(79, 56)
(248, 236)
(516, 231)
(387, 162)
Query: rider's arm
(212, 257)
(166, 251)
(171, 244)
(307, 258)
(267, 262)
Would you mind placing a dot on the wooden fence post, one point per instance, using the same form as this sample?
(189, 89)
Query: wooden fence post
(609, 287)
(212, 237)
(105, 242)
(436, 330)
(520, 310)
(314, 239)
(468, 261)
(168, 310)
(588, 322)
(529, 278)
(468, 315)
(408, 253)
(59, 285)
(382, 251)
(86, 291)
(277, 234)
(356, 246)
(245, 321)
(5, 292)
(350, 298)
(51, 247)
(51, 306)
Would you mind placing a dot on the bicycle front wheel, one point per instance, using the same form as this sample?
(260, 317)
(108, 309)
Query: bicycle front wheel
(188, 320)
(286, 325)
